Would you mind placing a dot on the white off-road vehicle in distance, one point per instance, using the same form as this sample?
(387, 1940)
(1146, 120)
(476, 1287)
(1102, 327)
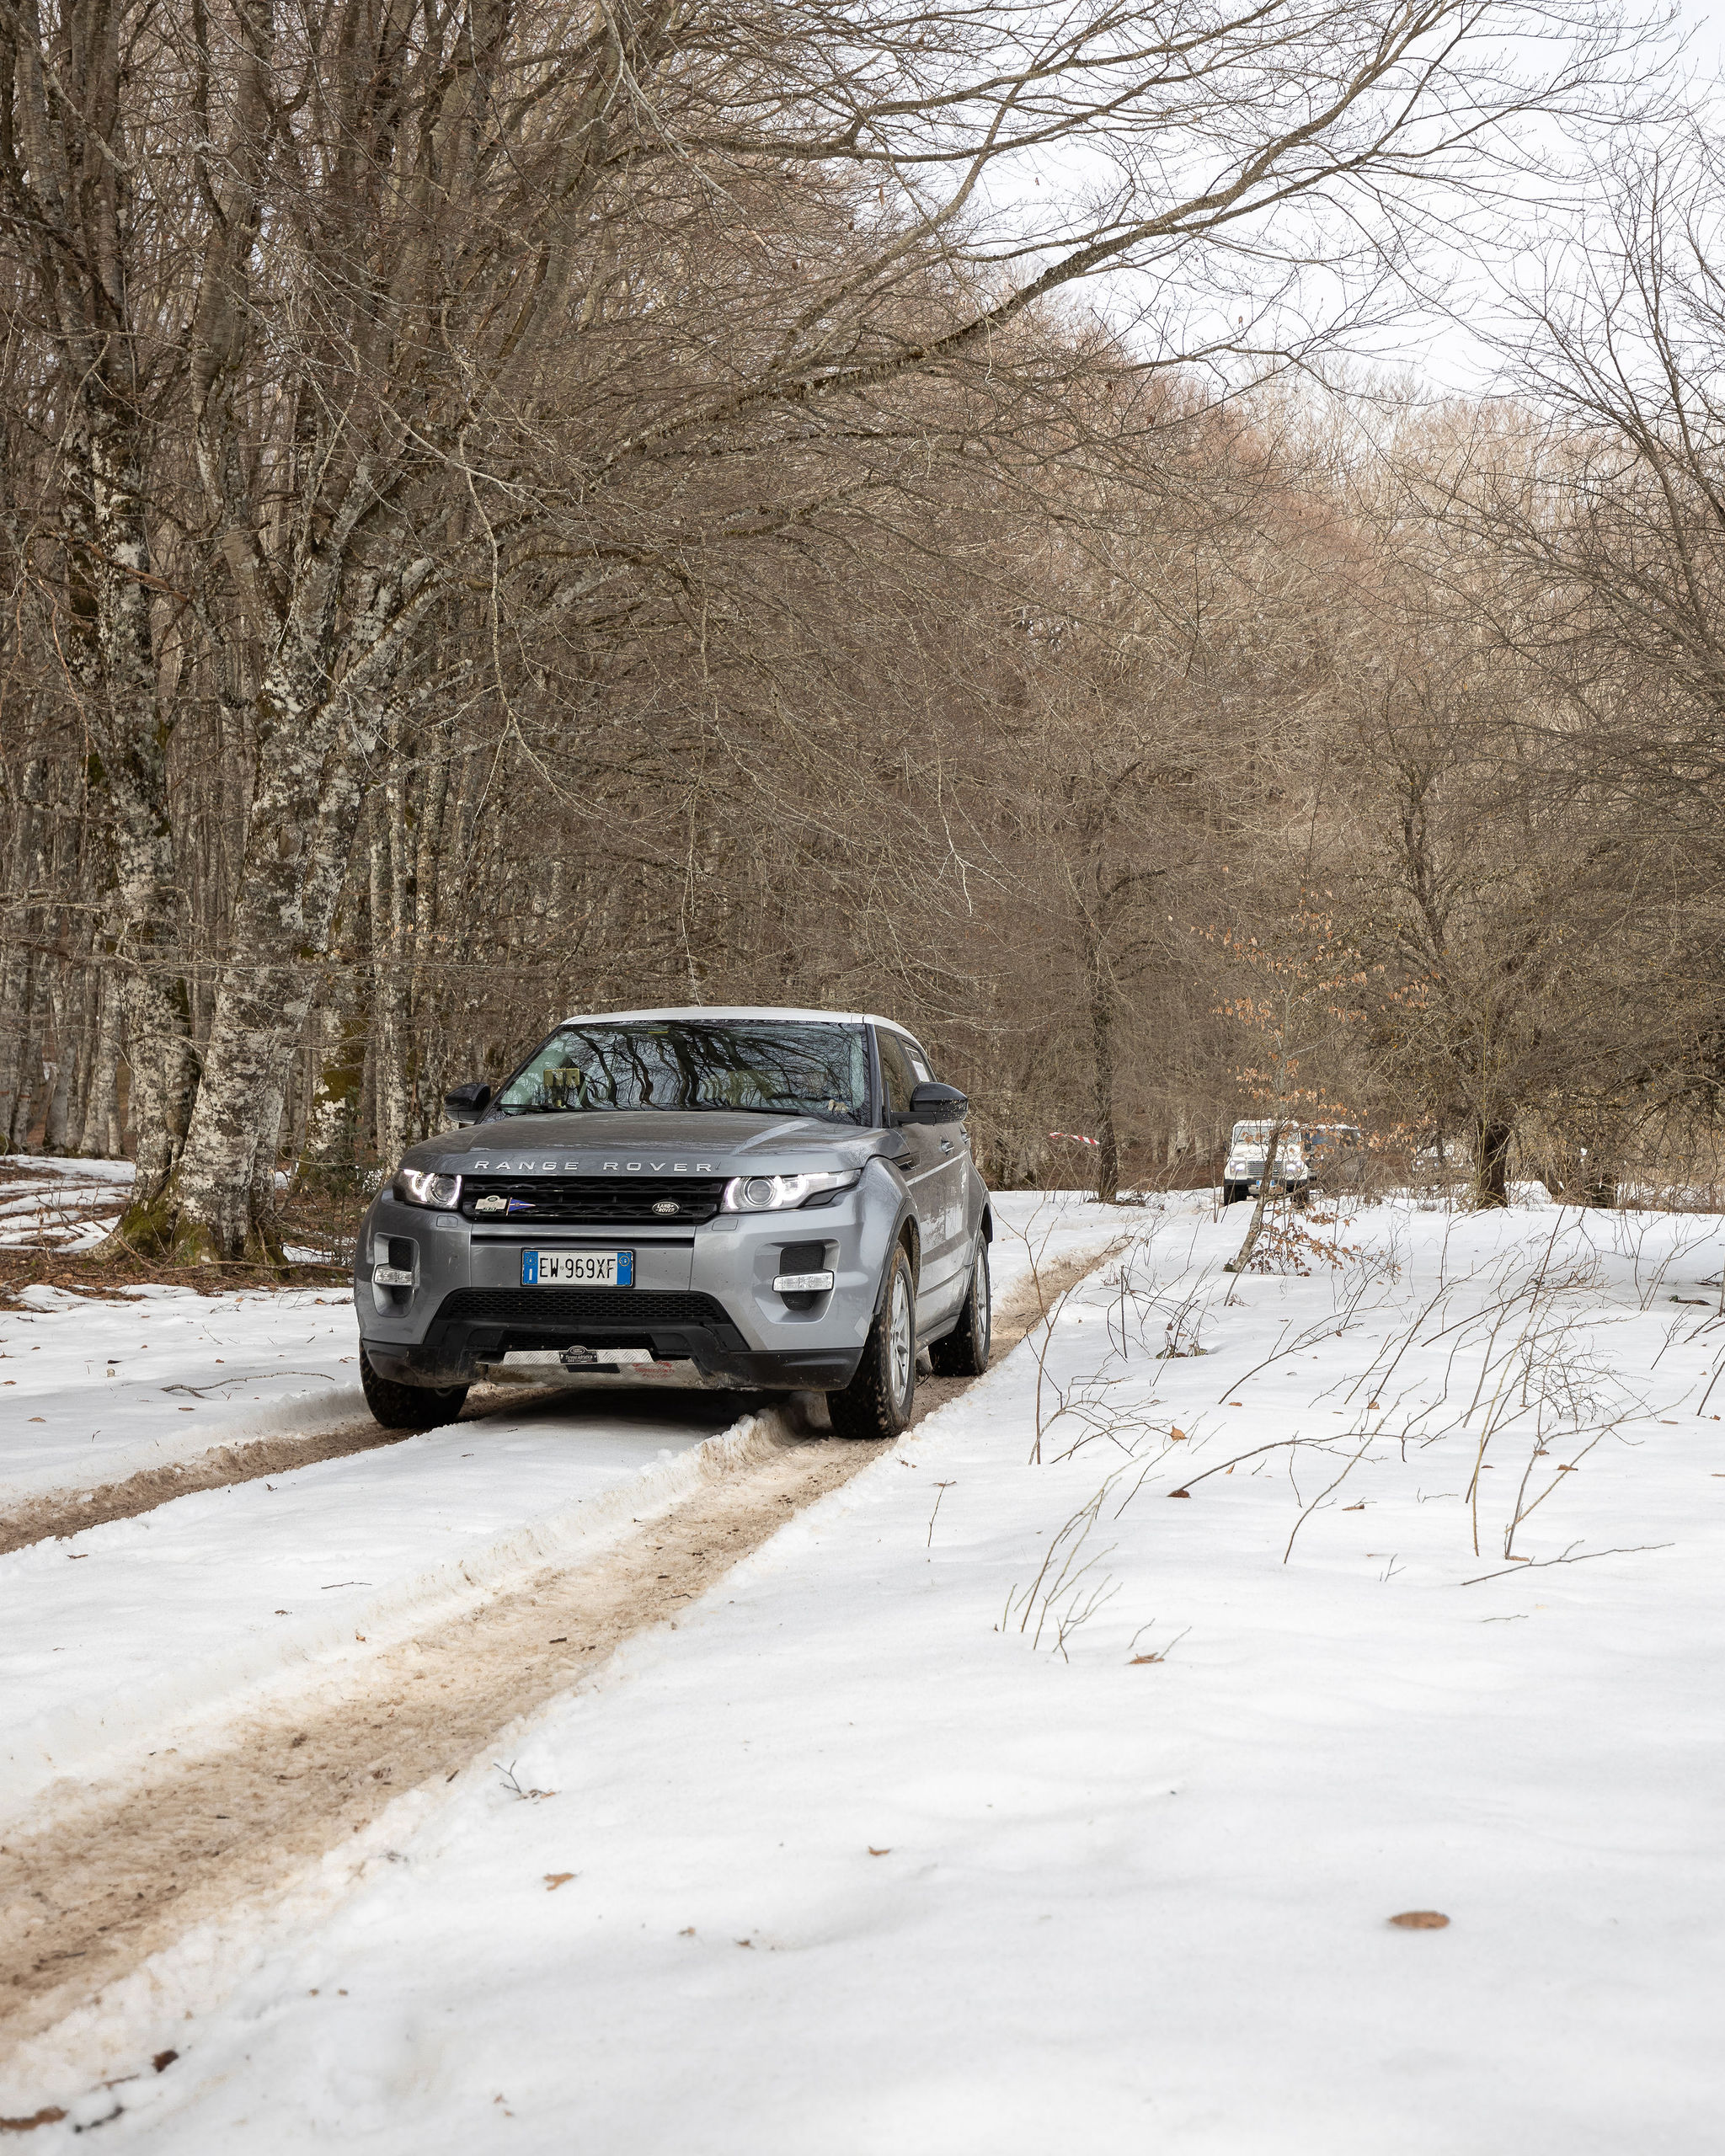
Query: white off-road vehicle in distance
(1248, 1150)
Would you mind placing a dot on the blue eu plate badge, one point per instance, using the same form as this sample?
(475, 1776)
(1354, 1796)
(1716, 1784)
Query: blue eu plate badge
(578, 1269)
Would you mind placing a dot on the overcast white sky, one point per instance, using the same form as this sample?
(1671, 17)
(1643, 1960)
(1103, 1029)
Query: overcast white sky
(1444, 352)
(1442, 346)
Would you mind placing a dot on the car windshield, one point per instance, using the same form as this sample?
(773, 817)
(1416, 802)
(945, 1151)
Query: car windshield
(1255, 1138)
(762, 1069)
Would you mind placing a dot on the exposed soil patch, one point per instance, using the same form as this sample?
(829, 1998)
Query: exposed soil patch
(96, 1892)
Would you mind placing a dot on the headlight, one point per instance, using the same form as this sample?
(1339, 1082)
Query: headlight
(419, 1186)
(779, 1194)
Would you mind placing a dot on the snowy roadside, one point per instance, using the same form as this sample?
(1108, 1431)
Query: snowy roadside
(130, 1633)
(852, 1862)
(94, 1389)
(53, 1204)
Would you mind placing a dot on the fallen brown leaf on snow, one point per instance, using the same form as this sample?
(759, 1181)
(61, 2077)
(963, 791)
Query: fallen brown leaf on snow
(1420, 1920)
(553, 1879)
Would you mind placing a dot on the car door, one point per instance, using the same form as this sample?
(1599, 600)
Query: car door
(920, 1162)
(952, 1143)
(937, 1178)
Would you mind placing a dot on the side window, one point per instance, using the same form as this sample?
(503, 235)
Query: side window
(895, 1078)
(919, 1063)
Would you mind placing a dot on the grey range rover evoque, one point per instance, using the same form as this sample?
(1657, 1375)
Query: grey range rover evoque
(769, 1200)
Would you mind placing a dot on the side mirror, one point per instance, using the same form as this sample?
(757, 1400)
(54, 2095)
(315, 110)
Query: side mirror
(467, 1103)
(932, 1102)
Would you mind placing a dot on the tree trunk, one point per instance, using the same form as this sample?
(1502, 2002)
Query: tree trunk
(389, 866)
(1491, 1158)
(116, 663)
(64, 1070)
(99, 1137)
(1103, 1016)
(305, 813)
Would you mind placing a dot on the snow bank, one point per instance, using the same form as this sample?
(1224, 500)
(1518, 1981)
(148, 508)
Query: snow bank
(855, 1864)
(91, 1390)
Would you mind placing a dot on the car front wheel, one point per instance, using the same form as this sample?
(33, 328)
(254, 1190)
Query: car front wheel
(410, 1406)
(876, 1402)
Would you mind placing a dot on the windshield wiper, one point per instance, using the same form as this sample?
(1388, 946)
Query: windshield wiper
(682, 1108)
(755, 1107)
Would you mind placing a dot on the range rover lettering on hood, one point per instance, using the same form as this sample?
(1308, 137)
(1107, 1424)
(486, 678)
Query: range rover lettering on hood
(499, 1166)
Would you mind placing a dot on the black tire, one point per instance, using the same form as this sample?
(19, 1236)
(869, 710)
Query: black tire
(963, 1352)
(1232, 1193)
(877, 1401)
(410, 1406)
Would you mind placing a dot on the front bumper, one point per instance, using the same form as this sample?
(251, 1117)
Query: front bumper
(460, 1345)
(451, 1305)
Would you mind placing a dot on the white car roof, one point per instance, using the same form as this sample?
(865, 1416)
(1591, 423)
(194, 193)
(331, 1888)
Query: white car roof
(724, 1013)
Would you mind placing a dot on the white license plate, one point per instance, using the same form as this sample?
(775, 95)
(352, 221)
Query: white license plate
(578, 1269)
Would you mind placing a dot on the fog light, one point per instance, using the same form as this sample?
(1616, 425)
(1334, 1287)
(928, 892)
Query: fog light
(392, 1276)
(803, 1283)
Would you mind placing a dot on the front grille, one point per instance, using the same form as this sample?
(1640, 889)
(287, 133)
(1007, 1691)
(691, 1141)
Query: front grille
(605, 1201)
(642, 1308)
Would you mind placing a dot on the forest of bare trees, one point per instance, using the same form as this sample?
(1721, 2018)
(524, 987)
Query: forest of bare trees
(513, 507)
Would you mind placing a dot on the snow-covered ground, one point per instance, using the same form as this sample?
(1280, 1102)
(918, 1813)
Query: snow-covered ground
(1010, 1800)
(96, 1388)
(107, 1635)
(50, 1204)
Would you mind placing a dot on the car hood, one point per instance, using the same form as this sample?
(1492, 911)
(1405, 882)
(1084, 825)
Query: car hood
(651, 1142)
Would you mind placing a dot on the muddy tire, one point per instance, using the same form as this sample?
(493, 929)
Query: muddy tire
(963, 1352)
(410, 1406)
(876, 1402)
